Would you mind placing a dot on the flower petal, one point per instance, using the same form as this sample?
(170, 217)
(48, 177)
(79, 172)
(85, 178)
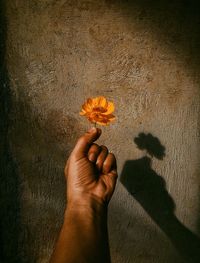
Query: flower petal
(82, 113)
(89, 103)
(86, 107)
(95, 102)
(100, 118)
(98, 110)
(103, 121)
(110, 116)
(102, 102)
(110, 108)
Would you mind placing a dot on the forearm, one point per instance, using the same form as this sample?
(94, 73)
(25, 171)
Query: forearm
(83, 237)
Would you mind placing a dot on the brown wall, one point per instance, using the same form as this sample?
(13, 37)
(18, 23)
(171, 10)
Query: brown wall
(143, 55)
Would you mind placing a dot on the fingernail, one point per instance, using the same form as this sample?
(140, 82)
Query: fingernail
(93, 129)
(99, 131)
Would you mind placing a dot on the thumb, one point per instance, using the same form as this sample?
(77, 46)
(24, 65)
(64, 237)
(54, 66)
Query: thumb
(84, 142)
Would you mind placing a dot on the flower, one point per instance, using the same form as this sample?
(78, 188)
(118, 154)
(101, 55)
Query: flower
(98, 110)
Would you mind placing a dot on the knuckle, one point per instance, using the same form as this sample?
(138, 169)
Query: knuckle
(99, 162)
(112, 155)
(104, 148)
(106, 165)
(94, 148)
(92, 152)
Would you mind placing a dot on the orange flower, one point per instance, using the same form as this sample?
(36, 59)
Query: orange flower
(98, 110)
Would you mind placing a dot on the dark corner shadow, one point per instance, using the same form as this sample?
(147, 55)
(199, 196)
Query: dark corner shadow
(175, 23)
(9, 184)
(149, 189)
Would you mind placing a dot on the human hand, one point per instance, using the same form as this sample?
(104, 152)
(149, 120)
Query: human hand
(91, 171)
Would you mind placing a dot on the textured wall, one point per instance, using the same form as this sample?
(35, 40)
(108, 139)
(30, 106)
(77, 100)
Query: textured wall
(143, 55)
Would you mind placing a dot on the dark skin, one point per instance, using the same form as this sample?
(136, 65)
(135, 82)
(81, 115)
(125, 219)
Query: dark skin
(91, 175)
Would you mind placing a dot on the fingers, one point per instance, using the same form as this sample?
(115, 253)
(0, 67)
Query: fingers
(106, 162)
(109, 163)
(113, 178)
(102, 157)
(84, 142)
(94, 152)
(110, 170)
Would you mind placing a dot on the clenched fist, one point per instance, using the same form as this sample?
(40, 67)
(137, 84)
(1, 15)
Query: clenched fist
(90, 171)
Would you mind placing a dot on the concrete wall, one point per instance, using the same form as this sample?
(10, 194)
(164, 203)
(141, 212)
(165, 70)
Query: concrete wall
(143, 55)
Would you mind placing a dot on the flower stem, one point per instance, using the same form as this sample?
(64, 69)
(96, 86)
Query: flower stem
(95, 124)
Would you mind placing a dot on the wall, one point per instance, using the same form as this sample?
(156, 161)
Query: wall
(143, 55)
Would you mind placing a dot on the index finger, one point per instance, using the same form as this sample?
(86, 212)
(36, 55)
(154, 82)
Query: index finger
(84, 142)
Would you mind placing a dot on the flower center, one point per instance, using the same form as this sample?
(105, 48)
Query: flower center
(99, 109)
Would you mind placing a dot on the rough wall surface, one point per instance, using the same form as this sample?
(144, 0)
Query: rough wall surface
(143, 55)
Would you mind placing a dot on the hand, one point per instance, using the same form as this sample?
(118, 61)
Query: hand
(90, 172)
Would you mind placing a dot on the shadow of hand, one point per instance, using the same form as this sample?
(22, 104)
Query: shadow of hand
(149, 189)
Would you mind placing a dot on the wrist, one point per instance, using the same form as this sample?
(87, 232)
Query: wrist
(89, 206)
